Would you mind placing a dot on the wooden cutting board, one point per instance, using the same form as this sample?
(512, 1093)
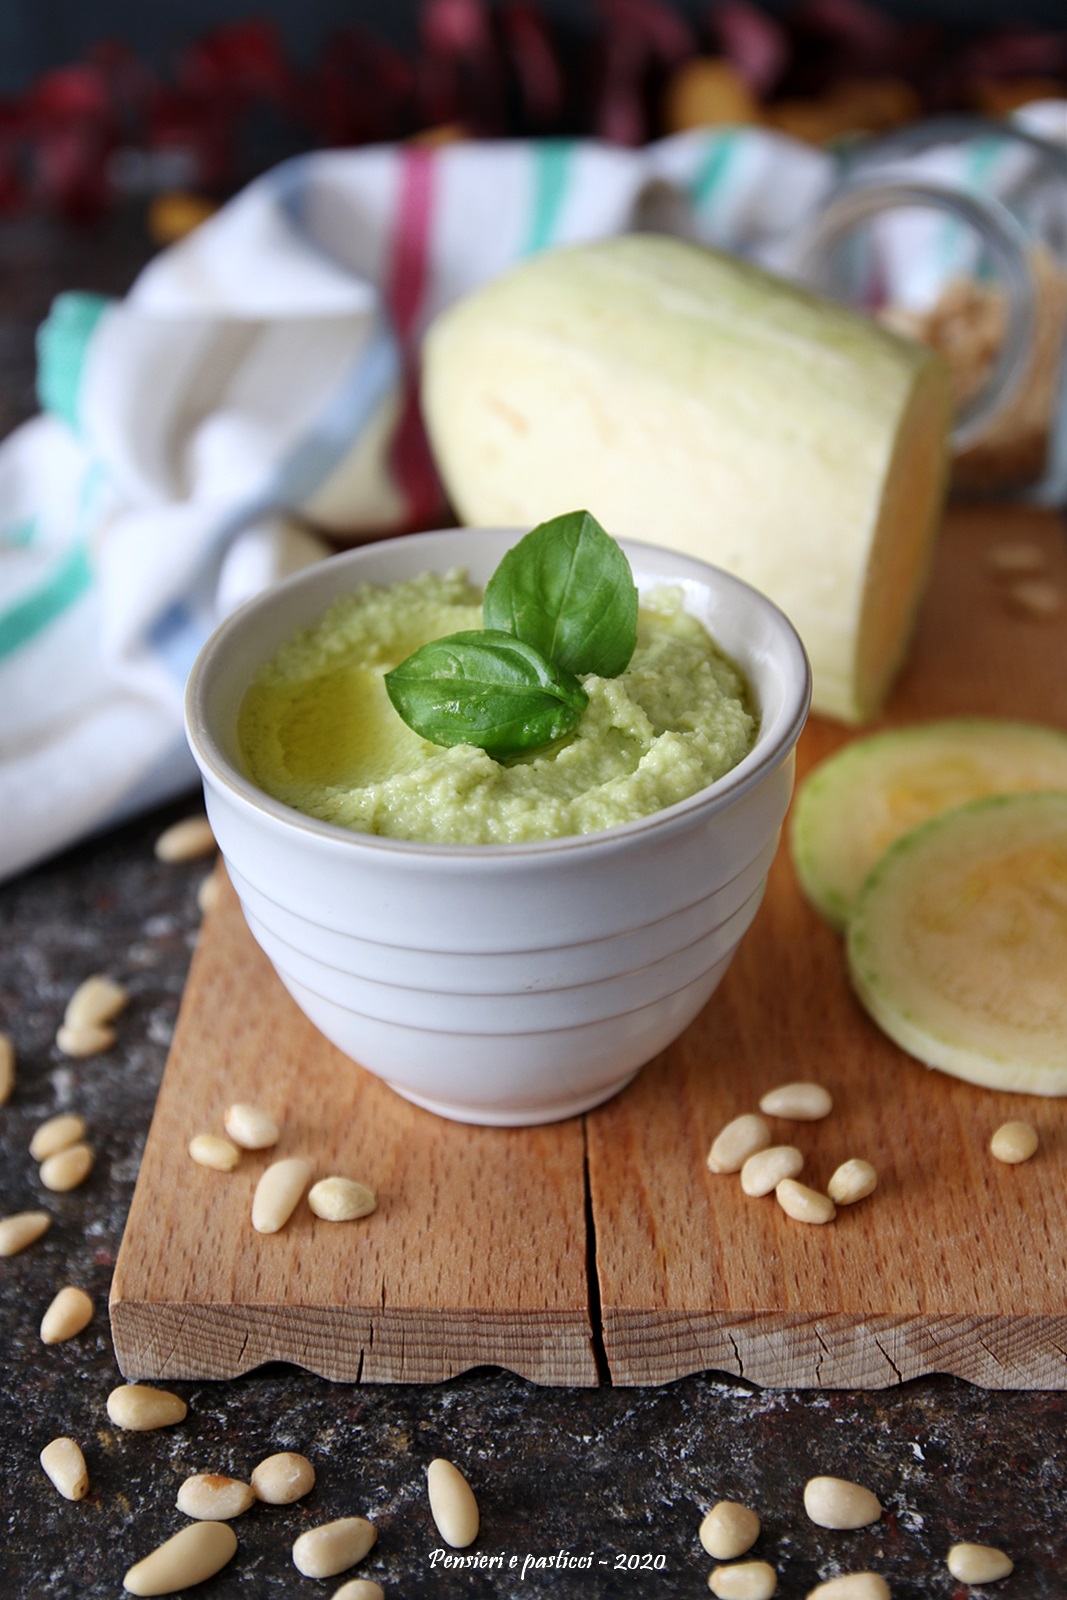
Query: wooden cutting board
(601, 1246)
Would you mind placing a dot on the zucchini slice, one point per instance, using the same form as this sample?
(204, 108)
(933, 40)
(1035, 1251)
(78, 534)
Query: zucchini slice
(958, 943)
(852, 806)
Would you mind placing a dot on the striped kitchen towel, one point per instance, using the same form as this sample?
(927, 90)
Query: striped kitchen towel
(259, 382)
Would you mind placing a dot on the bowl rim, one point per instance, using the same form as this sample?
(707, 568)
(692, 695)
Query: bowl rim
(712, 798)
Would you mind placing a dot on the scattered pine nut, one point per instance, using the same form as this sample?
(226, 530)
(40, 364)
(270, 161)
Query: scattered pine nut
(341, 1199)
(854, 1180)
(186, 840)
(211, 1497)
(804, 1204)
(1035, 597)
(67, 1168)
(283, 1478)
(95, 1002)
(139, 1408)
(1014, 1142)
(360, 1589)
(69, 1313)
(333, 1547)
(801, 1102)
(739, 1139)
(207, 895)
(250, 1127)
(278, 1193)
(190, 1556)
(58, 1133)
(81, 1042)
(211, 1150)
(22, 1229)
(64, 1463)
(452, 1504)
(852, 1586)
(978, 1563)
(837, 1503)
(728, 1530)
(745, 1580)
(7, 1067)
(1015, 555)
(764, 1171)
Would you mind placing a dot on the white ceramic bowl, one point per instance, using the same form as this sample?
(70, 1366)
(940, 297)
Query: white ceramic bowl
(501, 984)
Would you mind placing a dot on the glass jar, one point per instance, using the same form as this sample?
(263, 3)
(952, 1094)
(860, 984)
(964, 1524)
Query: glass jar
(954, 231)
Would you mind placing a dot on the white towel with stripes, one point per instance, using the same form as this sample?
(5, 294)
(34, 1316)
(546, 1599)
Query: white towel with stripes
(259, 382)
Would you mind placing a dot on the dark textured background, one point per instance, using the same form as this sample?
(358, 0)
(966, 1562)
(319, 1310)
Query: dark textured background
(612, 1471)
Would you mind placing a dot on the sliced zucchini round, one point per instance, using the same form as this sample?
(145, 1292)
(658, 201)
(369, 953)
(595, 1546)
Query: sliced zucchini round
(852, 806)
(958, 943)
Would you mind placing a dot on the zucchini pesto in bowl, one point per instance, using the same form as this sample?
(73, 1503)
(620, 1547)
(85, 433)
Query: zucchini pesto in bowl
(352, 720)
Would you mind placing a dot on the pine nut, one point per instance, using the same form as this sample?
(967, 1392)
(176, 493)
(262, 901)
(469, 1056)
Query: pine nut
(341, 1199)
(746, 1580)
(1036, 597)
(58, 1133)
(728, 1530)
(64, 1463)
(190, 1556)
(7, 1067)
(283, 1478)
(250, 1127)
(207, 895)
(96, 1001)
(67, 1168)
(278, 1193)
(333, 1547)
(21, 1229)
(1014, 1142)
(210, 1497)
(360, 1589)
(452, 1504)
(978, 1563)
(837, 1503)
(804, 1204)
(69, 1313)
(763, 1172)
(210, 1150)
(139, 1408)
(854, 1180)
(852, 1586)
(186, 840)
(739, 1139)
(81, 1042)
(802, 1102)
(1015, 555)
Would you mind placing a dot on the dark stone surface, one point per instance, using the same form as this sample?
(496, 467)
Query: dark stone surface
(606, 1474)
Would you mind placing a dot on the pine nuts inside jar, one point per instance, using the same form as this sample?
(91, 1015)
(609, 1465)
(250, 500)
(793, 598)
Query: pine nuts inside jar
(745, 1580)
(800, 1102)
(738, 1140)
(64, 1464)
(282, 1478)
(804, 1204)
(1014, 1142)
(854, 1180)
(978, 1563)
(70, 1312)
(728, 1530)
(764, 1171)
(840, 1504)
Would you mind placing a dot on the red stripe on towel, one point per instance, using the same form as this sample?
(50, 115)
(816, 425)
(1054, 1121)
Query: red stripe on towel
(406, 285)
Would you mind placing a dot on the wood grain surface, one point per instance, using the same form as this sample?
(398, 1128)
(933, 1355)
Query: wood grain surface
(542, 1250)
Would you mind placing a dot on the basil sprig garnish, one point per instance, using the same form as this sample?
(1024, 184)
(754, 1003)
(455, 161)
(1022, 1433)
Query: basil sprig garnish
(561, 603)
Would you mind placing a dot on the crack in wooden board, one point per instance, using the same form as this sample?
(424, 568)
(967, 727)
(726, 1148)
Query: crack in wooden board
(477, 1253)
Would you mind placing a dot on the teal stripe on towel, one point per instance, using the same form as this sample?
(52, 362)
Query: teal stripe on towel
(67, 582)
(553, 159)
(62, 344)
(710, 173)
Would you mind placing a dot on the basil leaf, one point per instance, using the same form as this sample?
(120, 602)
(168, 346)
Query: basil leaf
(567, 589)
(488, 689)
